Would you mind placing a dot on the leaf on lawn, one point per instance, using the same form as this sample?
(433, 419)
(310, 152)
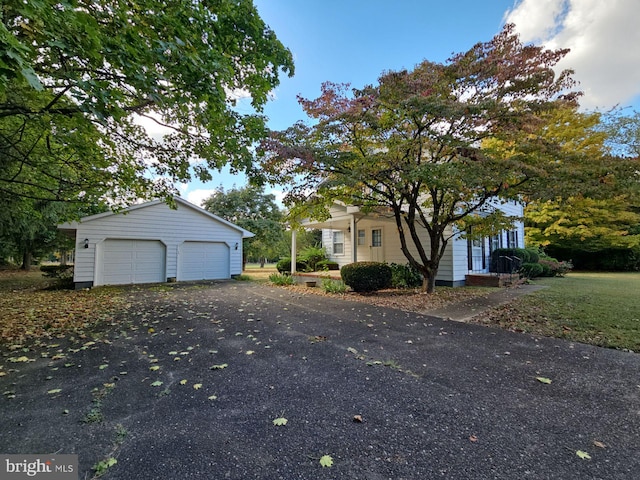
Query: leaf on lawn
(197, 386)
(280, 422)
(326, 461)
(54, 391)
(598, 444)
(22, 359)
(157, 383)
(219, 367)
(183, 382)
(583, 455)
(544, 380)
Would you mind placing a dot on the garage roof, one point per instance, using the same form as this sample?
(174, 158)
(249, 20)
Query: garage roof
(72, 226)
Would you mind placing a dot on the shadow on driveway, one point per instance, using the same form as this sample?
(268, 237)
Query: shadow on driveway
(188, 381)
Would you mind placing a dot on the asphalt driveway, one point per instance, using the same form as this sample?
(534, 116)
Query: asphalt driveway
(188, 381)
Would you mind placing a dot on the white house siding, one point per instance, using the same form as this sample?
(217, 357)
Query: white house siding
(156, 221)
(454, 265)
(391, 249)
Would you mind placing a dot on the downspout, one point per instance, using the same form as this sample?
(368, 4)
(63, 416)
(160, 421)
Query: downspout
(294, 250)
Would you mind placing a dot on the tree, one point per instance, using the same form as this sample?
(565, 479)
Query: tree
(28, 227)
(434, 145)
(623, 133)
(250, 208)
(78, 76)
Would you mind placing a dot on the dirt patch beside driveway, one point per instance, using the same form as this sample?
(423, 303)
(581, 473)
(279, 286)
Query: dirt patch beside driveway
(188, 381)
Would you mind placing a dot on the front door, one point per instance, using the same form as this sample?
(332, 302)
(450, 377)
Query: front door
(377, 252)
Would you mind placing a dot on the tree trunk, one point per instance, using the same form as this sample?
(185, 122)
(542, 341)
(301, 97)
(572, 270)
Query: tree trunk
(429, 283)
(26, 260)
(262, 259)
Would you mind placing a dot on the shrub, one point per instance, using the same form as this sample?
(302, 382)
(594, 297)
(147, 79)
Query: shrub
(366, 276)
(405, 276)
(63, 274)
(534, 255)
(284, 266)
(553, 268)
(327, 265)
(531, 270)
(332, 286)
(281, 279)
(311, 256)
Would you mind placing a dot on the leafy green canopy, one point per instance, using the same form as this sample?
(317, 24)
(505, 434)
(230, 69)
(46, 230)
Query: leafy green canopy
(250, 208)
(432, 147)
(77, 76)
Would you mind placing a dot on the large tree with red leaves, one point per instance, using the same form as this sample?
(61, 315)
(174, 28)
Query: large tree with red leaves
(434, 145)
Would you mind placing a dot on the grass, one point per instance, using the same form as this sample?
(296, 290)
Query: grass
(597, 308)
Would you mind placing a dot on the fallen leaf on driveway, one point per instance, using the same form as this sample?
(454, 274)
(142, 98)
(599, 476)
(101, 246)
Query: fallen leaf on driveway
(598, 444)
(280, 422)
(326, 461)
(583, 455)
(543, 380)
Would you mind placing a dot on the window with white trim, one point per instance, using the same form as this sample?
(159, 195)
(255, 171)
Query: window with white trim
(338, 243)
(512, 239)
(362, 237)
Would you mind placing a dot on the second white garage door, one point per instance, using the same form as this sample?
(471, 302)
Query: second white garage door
(204, 261)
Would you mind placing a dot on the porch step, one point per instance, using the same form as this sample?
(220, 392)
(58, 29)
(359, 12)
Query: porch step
(491, 279)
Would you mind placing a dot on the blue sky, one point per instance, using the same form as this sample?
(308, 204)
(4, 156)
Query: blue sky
(354, 41)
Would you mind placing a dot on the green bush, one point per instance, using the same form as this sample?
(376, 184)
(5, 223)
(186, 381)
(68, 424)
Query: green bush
(553, 268)
(311, 256)
(281, 279)
(327, 265)
(405, 276)
(333, 286)
(63, 274)
(366, 276)
(284, 266)
(531, 270)
(534, 255)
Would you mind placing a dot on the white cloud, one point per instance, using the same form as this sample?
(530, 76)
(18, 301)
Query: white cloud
(603, 37)
(198, 196)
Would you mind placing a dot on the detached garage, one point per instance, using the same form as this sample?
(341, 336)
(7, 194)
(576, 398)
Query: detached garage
(151, 242)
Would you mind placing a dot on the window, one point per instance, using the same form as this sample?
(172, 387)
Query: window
(361, 237)
(495, 242)
(376, 237)
(338, 243)
(512, 239)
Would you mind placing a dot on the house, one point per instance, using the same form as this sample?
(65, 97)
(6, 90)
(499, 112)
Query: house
(152, 242)
(352, 236)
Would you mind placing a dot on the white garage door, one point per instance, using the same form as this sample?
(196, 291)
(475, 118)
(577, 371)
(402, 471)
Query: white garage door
(131, 261)
(204, 261)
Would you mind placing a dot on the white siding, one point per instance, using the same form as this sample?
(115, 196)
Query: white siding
(154, 222)
(454, 263)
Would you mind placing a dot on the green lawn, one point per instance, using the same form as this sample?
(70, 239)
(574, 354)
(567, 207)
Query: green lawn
(597, 308)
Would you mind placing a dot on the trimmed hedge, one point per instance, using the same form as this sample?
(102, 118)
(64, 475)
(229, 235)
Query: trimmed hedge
(284, 266)
(366, 276)
(531, 270)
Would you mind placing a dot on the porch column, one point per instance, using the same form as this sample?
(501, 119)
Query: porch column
(294, 250)
(354, 239)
